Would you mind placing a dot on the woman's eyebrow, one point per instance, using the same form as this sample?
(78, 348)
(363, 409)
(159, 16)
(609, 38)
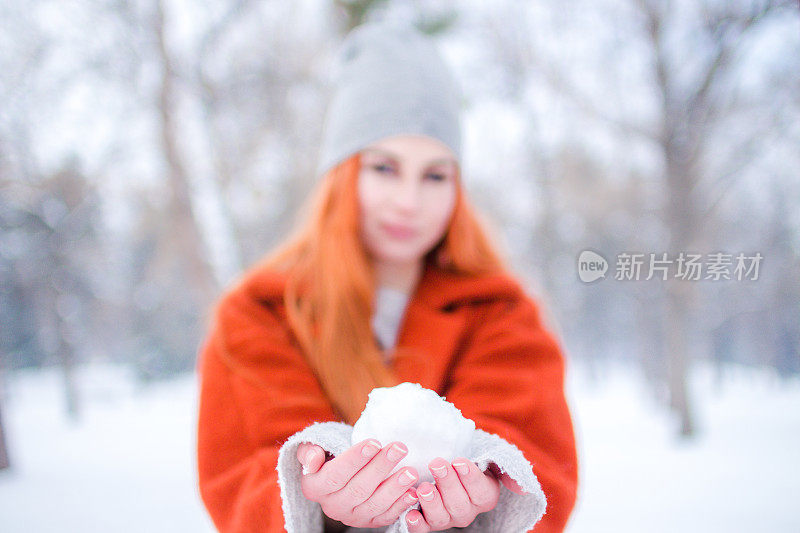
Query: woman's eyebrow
(441, 160)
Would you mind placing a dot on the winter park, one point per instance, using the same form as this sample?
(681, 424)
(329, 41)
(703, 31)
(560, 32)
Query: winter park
(381, 265)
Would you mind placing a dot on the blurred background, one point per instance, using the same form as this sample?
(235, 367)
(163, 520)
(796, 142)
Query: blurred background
(151, 150)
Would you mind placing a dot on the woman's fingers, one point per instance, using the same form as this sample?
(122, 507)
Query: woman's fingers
(483, 489)
(454, 495)
(511, 485)
(407, 499)
(311, 457)
(384, 500)
(507, 480)
(359, 483)
(416, 522)
(363, 484)
(336, 473)
(436, 516)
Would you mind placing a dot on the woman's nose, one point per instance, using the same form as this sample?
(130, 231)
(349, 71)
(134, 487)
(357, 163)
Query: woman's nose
(406, 197)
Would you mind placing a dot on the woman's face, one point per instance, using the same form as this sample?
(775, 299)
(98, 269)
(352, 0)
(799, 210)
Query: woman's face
(407, 192)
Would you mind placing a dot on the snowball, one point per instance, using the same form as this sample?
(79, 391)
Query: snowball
(425, 422)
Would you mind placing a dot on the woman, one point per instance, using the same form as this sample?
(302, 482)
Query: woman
(390, 279)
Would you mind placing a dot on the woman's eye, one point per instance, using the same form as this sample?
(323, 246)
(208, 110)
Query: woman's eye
(437, 177)
(382, 168)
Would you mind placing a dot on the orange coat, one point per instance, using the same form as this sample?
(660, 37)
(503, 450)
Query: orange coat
(477, 341)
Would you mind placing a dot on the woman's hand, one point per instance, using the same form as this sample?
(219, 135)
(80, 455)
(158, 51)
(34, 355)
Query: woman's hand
(353, 488)
(461, 492)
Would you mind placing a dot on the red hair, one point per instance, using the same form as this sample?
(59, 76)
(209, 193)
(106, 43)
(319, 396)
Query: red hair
(330, 293)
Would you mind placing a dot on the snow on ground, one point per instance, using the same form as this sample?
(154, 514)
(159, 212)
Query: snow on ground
(741, 473)
(128, 465)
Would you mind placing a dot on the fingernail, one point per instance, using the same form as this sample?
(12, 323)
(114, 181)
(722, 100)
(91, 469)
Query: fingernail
(406, 478)
(371, 448)
(309, 457)
(412, 521)
(396, 452)
(461, 468)
(439, 471)
(410, 498)
(306, 462)
(427, 496)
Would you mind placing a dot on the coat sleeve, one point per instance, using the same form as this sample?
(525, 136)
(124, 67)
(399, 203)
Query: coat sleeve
(256, 390)
(510, 381)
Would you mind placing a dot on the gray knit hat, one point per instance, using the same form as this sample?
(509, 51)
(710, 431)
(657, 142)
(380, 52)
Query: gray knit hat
(388, 79)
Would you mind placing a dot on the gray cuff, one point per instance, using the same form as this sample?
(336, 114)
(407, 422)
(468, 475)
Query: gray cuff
(514, 513)
(300, 514)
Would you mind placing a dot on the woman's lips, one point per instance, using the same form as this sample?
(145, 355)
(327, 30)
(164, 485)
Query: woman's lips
(398, 232)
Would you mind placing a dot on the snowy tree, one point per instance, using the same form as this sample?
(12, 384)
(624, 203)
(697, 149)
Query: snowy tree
(686, 98)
